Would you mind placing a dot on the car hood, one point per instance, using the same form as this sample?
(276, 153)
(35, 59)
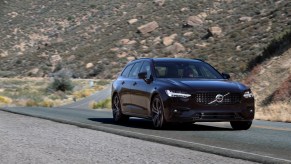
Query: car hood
(206, 85)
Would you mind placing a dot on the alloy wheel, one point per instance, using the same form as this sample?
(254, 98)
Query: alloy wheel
(116, 110)
(157, 113)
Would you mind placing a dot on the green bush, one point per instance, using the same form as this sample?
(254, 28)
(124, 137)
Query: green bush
(102, 104)
(61, 84)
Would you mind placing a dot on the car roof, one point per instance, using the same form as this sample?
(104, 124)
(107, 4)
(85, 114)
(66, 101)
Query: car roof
(170, 59)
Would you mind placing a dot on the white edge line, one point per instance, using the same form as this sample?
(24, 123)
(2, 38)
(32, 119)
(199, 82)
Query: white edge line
(194, 143)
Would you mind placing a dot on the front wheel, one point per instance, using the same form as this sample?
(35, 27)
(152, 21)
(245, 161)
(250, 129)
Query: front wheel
(118, 116)
(241, 125)
(158, 118)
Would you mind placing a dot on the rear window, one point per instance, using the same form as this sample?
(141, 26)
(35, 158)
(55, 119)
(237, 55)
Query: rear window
(126, 70)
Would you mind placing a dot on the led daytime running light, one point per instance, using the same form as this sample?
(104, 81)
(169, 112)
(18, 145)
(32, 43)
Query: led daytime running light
(177, 94)
(248, 94)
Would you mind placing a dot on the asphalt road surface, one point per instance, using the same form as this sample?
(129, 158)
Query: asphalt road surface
(266, 142)
(97, 97)
(32, 140)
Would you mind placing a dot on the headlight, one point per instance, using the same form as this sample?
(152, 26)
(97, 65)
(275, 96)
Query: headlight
(177, 94)
(248, 94)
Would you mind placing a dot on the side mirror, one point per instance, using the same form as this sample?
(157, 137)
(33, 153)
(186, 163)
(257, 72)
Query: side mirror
(225, 76)
(142, 75)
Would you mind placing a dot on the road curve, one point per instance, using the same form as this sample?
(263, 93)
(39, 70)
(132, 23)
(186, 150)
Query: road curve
(265, 142)
(96, 97)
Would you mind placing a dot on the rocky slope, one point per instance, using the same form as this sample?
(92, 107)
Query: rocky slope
(88, 38)
(271, 84)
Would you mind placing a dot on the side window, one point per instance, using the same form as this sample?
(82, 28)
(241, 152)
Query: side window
(126, 71)
(146, 67)
(135, 70)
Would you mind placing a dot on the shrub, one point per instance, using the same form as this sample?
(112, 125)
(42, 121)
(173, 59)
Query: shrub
(47, 103)
(31, 103)
(102, 104)
(5, 100)
(61, 83)
(83, 93)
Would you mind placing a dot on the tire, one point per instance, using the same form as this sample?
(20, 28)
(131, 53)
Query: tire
(241, 125)
(118, 116)
(157, 110)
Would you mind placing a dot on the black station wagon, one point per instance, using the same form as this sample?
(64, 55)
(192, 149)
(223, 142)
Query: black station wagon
(174, 90)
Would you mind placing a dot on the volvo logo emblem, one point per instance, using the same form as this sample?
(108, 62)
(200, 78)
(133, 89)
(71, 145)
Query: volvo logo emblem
(218, 98)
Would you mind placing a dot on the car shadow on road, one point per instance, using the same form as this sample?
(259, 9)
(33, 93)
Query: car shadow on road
(147, 124)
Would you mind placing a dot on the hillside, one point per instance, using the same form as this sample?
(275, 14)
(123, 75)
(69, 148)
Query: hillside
(88, 38)
(271, 84)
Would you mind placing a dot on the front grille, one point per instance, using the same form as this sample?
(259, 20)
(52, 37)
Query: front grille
(209, 98)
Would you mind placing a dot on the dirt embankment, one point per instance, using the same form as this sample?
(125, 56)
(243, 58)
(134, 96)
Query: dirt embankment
(271, 84)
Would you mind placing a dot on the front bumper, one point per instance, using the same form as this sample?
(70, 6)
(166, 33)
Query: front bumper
(186, 110)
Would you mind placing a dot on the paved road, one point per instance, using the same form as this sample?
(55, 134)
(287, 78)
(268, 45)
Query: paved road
(97, 97)
(32, 140)
(265, 142)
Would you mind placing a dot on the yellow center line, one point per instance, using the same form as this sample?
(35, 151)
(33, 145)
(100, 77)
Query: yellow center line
(272, 128)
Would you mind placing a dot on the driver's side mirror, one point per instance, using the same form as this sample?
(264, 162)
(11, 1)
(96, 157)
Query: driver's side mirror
(143, 75)
(225, 76)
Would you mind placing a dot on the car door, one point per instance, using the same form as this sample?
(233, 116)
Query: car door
(140, 97)
(124, 93)
(132, 77)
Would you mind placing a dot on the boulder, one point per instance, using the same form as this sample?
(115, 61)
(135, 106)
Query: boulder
(159, 2)
(188, 34)
(245, 19)
(175, 48)
(89, 65)
(194, 21)
(149, 27)
(71, 58)
(157, 40)
(3, 53)
(131, 42)
(130, 58)
(215, 31)
(143, 42)
(122, 55)
(124, 41)
(202, 15)
(184, 9)
(167, 41)
(132, 21)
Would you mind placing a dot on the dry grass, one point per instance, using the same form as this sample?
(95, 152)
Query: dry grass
(280, 111)
(105, 104)
(5, 100)
(83, 93)
(33, 92)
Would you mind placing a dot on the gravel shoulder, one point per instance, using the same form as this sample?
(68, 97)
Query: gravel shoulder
(32, 140)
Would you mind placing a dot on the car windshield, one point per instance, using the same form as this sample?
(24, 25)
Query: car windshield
(185, 69)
